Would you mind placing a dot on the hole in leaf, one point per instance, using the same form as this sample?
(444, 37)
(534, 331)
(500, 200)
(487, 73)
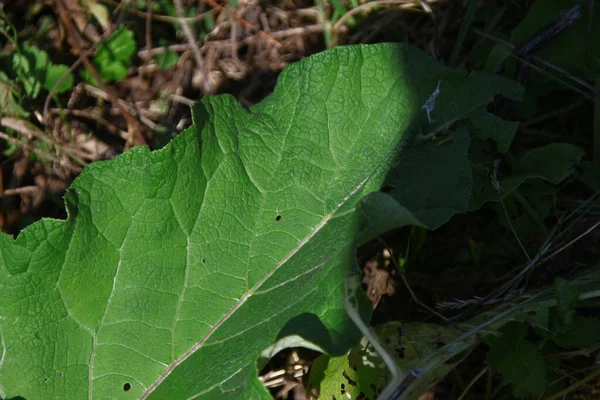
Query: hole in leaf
(60, 374)
(277, 218)
(350, 381)
(46, 379)
(400, 353)
(204, 261)
(126, 387)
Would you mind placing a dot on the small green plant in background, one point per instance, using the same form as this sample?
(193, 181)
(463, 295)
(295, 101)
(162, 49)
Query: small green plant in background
(26, 71)
(113, 57)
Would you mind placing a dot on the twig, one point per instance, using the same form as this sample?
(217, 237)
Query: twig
(39, 152)
(283, 34)
(90, 115)
(181, 99)
(412, 294)
(552, 114)
(548, 32)
(570, 243)
(149, 25)
(187, 31)
(402, 4)
(20, 190)
(29, 131)
(546, 64)
(160, 17)
(247, 24)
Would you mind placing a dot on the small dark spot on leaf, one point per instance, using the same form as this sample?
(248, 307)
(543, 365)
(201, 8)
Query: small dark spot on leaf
(46, 379)
(400, 353)
(439, 344)
(277, 218)
(361, 396)
(204, 261)
(126, 387)
(532, 313)
(373, 387)
(60, 374)
(354, 367)
(343, 387)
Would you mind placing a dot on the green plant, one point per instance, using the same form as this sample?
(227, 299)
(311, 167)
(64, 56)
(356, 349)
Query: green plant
(232, 239)
(113, 56)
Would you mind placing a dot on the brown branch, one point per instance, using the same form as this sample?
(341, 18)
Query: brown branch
(283, 34)
(247, 24)
(159, 17)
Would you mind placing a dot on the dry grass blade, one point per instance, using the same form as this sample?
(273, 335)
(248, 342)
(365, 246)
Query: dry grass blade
(190, 36)
(412, 5)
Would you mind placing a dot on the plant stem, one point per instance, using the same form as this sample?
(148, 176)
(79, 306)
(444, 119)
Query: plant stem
(531, 212)
(473, 381)
(574, 386)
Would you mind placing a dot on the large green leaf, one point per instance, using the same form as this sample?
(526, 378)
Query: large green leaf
(178, 268)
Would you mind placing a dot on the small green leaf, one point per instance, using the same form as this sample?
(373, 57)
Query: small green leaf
(56, 72)
(518, 360)
(33, 69)
(488, 126)
(113, 57)
(120, 46)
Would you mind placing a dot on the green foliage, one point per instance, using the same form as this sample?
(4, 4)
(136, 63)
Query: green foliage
(32, 69)
(233, 237)
(424, 193)
(361, 373)
(113, 57)
(433, 181)
(518, 360)
(518, 352)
